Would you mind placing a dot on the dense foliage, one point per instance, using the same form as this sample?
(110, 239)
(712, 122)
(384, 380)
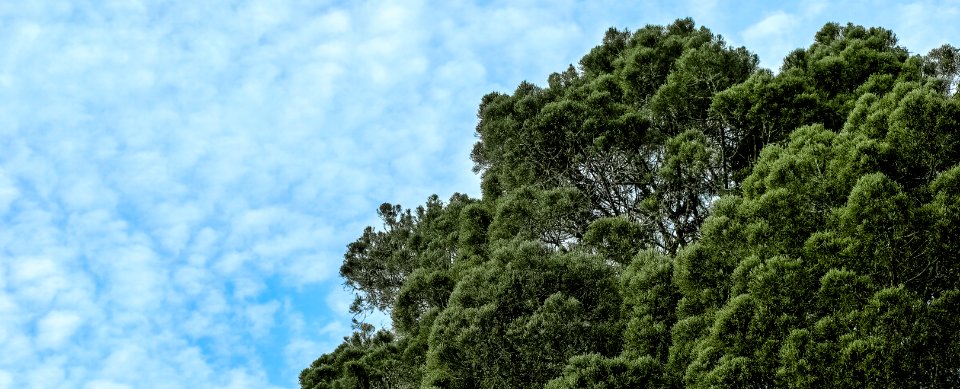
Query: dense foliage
(669, 215)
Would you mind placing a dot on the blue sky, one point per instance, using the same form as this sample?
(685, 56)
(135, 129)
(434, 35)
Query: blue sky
(179, 179)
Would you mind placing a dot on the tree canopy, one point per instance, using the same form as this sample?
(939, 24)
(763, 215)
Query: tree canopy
(666, 214)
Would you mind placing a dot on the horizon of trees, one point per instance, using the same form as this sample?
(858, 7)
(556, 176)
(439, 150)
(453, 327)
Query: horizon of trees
(667, 214)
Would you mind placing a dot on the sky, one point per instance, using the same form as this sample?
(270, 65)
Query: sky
(179, 179)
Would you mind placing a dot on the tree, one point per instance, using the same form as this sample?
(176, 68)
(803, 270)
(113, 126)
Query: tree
(828, 271)
(665, 215)
(594, 371)
(515, 320)
(614, 130)
(816, 85)
(378, 263)
(943, 64)
(367, 360)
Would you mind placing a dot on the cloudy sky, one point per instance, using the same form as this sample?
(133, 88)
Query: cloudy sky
(179, 179)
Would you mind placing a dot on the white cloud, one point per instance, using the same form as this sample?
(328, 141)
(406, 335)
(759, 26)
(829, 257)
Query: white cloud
(101, 384)
(6, 380)
(301, 352)
(814, 8)
(8, 192)
(773, 37)
(240, 379)
(56, 327)
(261, 317)
(37, 281)
(45, 375)
(930, 24)
(339, 300)
(771, 26)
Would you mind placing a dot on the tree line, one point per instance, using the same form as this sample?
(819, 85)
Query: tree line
(667, 214)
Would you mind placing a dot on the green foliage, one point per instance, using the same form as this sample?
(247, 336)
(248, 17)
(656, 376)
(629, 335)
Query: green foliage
(817, 85)
(650, 299)
(556, 216)
(616, 238)
(665, 215)
(593, 371)
(515, 320)
(364, 360)
(943, 64)
(378, 263)
(617, 130)
(852, 212)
